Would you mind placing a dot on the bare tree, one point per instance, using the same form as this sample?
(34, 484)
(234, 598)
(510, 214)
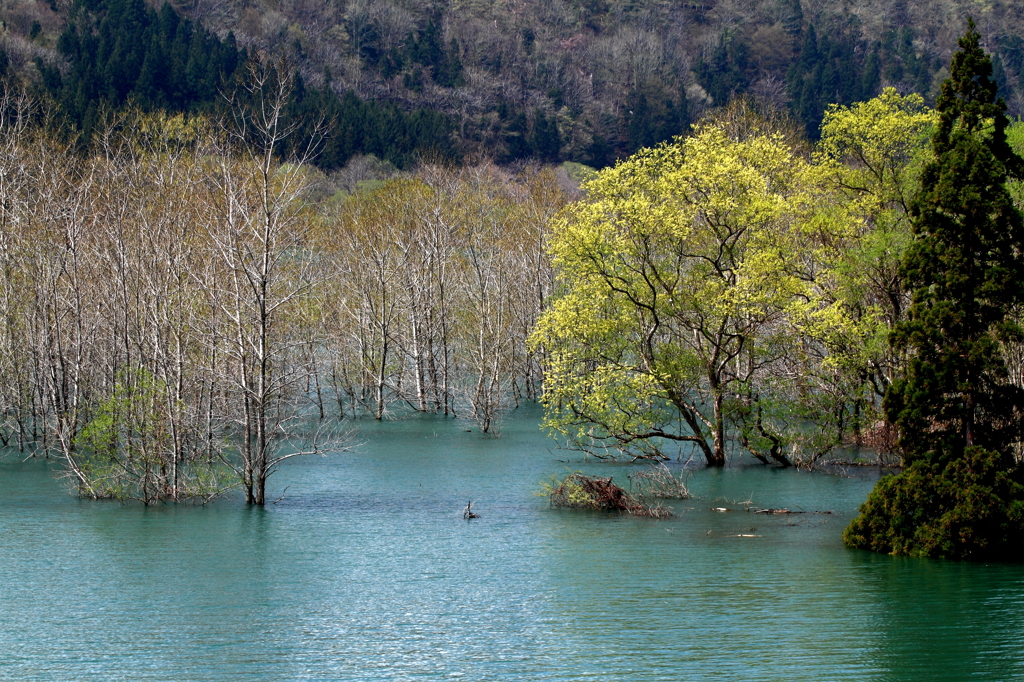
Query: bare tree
(260, 241)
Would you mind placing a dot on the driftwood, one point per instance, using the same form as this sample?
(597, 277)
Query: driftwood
(468, 512)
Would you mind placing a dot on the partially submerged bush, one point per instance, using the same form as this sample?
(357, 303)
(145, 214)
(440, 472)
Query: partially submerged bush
(658, 482)
(579, 491)
(971, 508)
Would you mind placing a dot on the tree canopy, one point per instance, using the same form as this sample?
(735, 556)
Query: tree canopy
(731, 290)
(676, 271)
(124, 53)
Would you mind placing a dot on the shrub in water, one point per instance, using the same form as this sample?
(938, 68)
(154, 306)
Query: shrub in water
(971, 508)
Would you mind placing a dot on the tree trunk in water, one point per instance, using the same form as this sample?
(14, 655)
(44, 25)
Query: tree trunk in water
(718, 452)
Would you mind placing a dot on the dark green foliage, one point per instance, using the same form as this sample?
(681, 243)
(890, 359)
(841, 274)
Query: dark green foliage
(903, 65)
(424, 56)
(545, 140)
(834, 66)
(727, 73)
(823, 71)
(1000, 77)
(830, 71)
(966, 271)
(957, 414)
(1011, 50)
(791, 15)
(600, 154)
(516, 139)
(123, 50)
(355, 126)
(871, 77)
(653, 117)
(973, 508)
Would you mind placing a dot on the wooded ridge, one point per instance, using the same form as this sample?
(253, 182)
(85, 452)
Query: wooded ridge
(583, 80)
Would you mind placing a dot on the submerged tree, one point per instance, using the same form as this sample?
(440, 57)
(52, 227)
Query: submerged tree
(677, 273)
(958, 415)
(873, 153)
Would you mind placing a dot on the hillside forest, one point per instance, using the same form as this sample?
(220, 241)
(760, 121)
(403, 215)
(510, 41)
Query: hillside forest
(589, 81)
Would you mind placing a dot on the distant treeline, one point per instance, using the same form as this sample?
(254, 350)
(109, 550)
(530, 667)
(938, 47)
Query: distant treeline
(404, 84)
(838, 68)
(124, 51)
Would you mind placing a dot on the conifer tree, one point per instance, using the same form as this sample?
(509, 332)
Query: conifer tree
(958, 415)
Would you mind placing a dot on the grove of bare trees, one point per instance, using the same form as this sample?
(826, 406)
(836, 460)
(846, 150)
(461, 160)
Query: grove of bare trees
(181, 311)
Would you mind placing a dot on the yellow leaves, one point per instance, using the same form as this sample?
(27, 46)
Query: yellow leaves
(708, 220)
(764, 282)
(680, 256)
(172, 126)
(875, 149)
(609, 398)
(887, 128)
(159, 134)
(731, 246)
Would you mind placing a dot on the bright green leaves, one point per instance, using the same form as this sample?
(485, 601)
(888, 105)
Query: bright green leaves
(875, 148)
(126, 447)
(724, 287)
(677, 273)
(872, 153)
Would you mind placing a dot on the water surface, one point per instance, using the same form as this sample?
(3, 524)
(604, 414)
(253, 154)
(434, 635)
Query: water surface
(365, 570)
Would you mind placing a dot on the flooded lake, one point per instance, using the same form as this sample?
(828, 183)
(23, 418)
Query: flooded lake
(365, 570)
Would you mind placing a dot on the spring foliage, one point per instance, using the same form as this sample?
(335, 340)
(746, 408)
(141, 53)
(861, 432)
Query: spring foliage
(730, 287)
(678, 273)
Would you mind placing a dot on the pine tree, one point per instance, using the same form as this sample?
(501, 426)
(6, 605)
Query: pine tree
(957, 414)
(545, 141)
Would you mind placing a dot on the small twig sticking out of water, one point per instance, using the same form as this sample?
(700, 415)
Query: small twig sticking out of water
(282, 494)
(468, 512)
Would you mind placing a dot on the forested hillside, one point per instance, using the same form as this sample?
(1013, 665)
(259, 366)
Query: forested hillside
(583, 80)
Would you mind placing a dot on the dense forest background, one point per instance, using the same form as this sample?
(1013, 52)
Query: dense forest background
(581, 80)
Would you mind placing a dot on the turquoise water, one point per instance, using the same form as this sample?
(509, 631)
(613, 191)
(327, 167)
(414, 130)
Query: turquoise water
(365, 570)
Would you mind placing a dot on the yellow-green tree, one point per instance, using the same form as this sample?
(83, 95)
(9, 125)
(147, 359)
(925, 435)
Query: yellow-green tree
(872, 154)
(676, 276)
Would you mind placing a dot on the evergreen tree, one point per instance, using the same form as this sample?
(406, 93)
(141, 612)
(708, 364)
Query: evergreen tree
(449, 72)
(1011, 49)
(957, 414)
(517, 144)
(638, 126)
(545, 141)
(724, 75)
(870, 77)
